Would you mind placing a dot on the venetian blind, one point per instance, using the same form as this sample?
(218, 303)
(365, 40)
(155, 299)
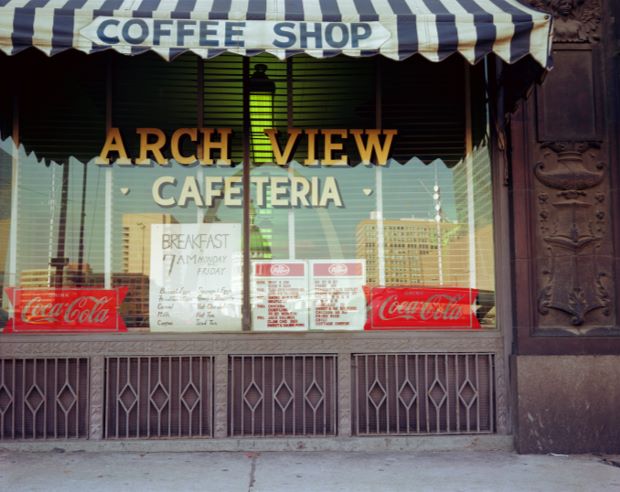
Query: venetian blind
(60, 194)
(424, 101)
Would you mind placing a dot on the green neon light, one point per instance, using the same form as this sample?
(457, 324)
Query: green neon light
(261, 117)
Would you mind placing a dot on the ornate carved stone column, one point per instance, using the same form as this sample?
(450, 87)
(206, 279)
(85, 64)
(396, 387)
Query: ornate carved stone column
(567, 181)
(566, 243)
(574, 272)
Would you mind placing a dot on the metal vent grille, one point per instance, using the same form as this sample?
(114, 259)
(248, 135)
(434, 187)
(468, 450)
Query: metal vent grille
(43, 398)
(282, 395)
(154, 397)
(422, 394)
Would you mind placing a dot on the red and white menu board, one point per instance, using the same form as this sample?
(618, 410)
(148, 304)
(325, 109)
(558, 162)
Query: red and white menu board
(338, 300)
(280, 296)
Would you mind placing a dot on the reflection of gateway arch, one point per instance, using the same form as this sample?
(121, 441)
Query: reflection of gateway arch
(333, 244)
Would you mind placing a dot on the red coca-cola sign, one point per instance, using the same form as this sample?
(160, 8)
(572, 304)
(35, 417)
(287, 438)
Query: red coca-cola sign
(65, 310)
(412, 308)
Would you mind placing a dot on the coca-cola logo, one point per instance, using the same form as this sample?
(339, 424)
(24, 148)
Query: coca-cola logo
(394, 308)
(279, 270)
(72, 309)
(338, 269)
(84, 309)
(436, 307)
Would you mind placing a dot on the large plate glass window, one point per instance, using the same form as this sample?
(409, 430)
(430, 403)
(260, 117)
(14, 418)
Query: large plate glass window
(241, 194)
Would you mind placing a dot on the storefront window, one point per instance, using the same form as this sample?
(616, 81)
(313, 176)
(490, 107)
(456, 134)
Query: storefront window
(369, 204)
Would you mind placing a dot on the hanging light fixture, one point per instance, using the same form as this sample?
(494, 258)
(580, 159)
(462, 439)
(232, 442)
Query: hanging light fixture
(262, 91)
(261, 115)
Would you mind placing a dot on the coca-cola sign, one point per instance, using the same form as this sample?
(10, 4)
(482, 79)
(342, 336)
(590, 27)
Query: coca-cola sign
(407, 308)
(65, 310)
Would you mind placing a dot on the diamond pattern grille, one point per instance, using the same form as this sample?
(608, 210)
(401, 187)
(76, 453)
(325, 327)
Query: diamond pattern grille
(422, 394)
(253, 396)
(268, 395)
(34, 399)
(190, 397)
(282, 395)
(407, 394)
(437, 394)
(6, 399)
(314, 396)
(44, 398)
(377, 394)
(66, 398)
(159, 397)
(127, 398)
(468, 394)
(155, 397)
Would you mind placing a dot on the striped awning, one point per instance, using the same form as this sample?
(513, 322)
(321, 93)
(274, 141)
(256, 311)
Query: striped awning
(396, 29)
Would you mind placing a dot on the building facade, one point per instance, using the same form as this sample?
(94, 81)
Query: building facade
(364, 233)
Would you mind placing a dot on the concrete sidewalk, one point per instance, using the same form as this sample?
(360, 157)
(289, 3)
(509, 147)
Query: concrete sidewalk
(304, 471)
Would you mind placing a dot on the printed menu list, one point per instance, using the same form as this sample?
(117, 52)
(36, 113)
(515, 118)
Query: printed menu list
(195, 277)
(280, 296)
(338, 296)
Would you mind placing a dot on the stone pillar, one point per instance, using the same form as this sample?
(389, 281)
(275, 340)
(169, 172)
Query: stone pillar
(565, 211)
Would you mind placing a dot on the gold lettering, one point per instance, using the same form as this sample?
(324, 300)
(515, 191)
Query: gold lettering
(311, 159)
(282, 158)
(373, 144)
(153, 147)
(113, 143)
(331, 146)
(192, 133)
(209, 145)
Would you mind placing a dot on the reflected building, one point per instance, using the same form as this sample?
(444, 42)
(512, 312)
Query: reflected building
(5, 229)
(476, 177)
(410, 250)
(137, 265)
(411, 253)
(260, 240)
(137, 240)
(43, 278)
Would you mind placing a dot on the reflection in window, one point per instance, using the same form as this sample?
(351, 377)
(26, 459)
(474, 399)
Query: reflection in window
(422, 221)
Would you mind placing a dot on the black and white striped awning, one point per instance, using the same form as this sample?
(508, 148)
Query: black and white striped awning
(396, 29)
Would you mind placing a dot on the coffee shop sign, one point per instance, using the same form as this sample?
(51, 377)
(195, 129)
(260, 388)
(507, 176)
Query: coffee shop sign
(235, 34)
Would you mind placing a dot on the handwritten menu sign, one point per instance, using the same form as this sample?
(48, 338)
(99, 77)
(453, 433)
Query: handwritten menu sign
(280, 296)
(338, 300)
(195, 280)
